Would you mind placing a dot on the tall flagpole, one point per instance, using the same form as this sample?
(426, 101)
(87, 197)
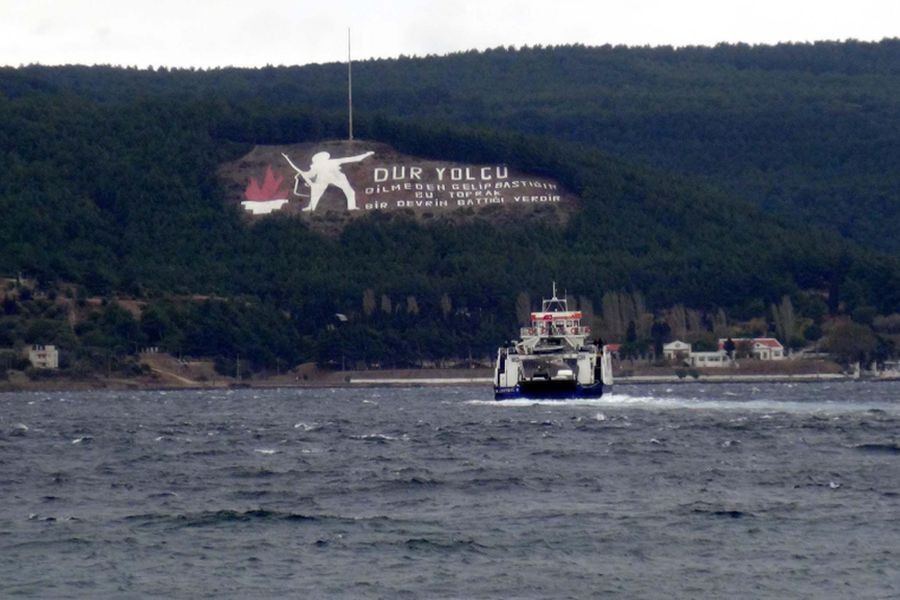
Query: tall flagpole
(349, 85)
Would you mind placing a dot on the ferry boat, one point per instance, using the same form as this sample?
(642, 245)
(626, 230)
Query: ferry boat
(554, 358)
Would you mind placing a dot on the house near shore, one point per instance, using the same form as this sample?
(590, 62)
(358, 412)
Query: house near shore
(757, 348)
(714, 360)
(890, 369)
(677, 350)
(43, 357)
(761, 348)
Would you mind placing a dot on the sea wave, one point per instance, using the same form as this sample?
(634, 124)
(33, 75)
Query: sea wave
(731, 403)
(885, 448)
(432, 495)
(213, 518)
(217, 517)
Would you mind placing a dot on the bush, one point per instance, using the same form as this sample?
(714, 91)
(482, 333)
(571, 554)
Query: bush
(40, 374)
(796, 342)
(10, 306)
(10, 359)
(865, 315)
(228, 367)
(851, 342)
(813, 332)
(887, 324)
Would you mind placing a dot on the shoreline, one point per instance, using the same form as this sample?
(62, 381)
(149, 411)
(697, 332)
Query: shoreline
(87, 385)
(634, 380)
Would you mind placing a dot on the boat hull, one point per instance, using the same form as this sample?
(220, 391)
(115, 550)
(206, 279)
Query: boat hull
(549, 390)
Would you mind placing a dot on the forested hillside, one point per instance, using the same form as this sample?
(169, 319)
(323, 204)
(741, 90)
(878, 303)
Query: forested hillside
(806, 130)
(722, 180)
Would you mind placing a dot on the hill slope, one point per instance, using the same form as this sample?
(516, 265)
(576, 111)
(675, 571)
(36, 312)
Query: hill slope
(804, 130)
(108, 180)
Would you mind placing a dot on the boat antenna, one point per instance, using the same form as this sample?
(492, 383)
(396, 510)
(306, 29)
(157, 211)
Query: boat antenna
(349, 86)
(554, 289)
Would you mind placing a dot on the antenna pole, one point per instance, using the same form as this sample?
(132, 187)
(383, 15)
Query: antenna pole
(349, 85)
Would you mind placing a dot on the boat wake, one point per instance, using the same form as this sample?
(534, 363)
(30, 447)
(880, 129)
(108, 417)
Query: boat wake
(729, 403)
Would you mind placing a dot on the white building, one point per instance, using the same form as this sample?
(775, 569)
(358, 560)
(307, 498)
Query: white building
(677, 350)
(43, 357)
(890, 369)
(710, 359)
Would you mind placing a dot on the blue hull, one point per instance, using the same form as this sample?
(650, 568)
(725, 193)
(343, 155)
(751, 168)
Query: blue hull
(548, 393)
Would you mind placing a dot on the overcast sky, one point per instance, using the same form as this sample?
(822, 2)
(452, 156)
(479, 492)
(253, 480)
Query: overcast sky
(209, 33)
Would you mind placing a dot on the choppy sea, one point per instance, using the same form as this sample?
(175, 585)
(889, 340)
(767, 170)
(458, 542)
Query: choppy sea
(687, 491)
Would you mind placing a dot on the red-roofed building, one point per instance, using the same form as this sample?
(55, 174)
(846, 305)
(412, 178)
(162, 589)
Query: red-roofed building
(768, 349)
(761, 348)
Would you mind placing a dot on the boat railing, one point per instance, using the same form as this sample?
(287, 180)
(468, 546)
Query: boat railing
(548, 329)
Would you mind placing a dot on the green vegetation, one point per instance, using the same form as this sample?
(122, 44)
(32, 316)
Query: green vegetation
(716, 182)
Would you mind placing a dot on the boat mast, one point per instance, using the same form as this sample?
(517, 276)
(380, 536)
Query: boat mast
(349, 86)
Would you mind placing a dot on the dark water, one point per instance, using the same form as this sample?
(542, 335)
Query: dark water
(738, 491)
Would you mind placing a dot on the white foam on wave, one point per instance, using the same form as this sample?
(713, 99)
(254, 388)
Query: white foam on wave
(608, 400)
(723, 403)
(265, 451)
(377, 437)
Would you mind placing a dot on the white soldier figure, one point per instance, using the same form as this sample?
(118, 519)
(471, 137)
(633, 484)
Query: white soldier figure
(324, 171)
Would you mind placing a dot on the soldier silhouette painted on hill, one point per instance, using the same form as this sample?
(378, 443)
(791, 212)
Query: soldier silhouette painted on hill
(324, 171)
